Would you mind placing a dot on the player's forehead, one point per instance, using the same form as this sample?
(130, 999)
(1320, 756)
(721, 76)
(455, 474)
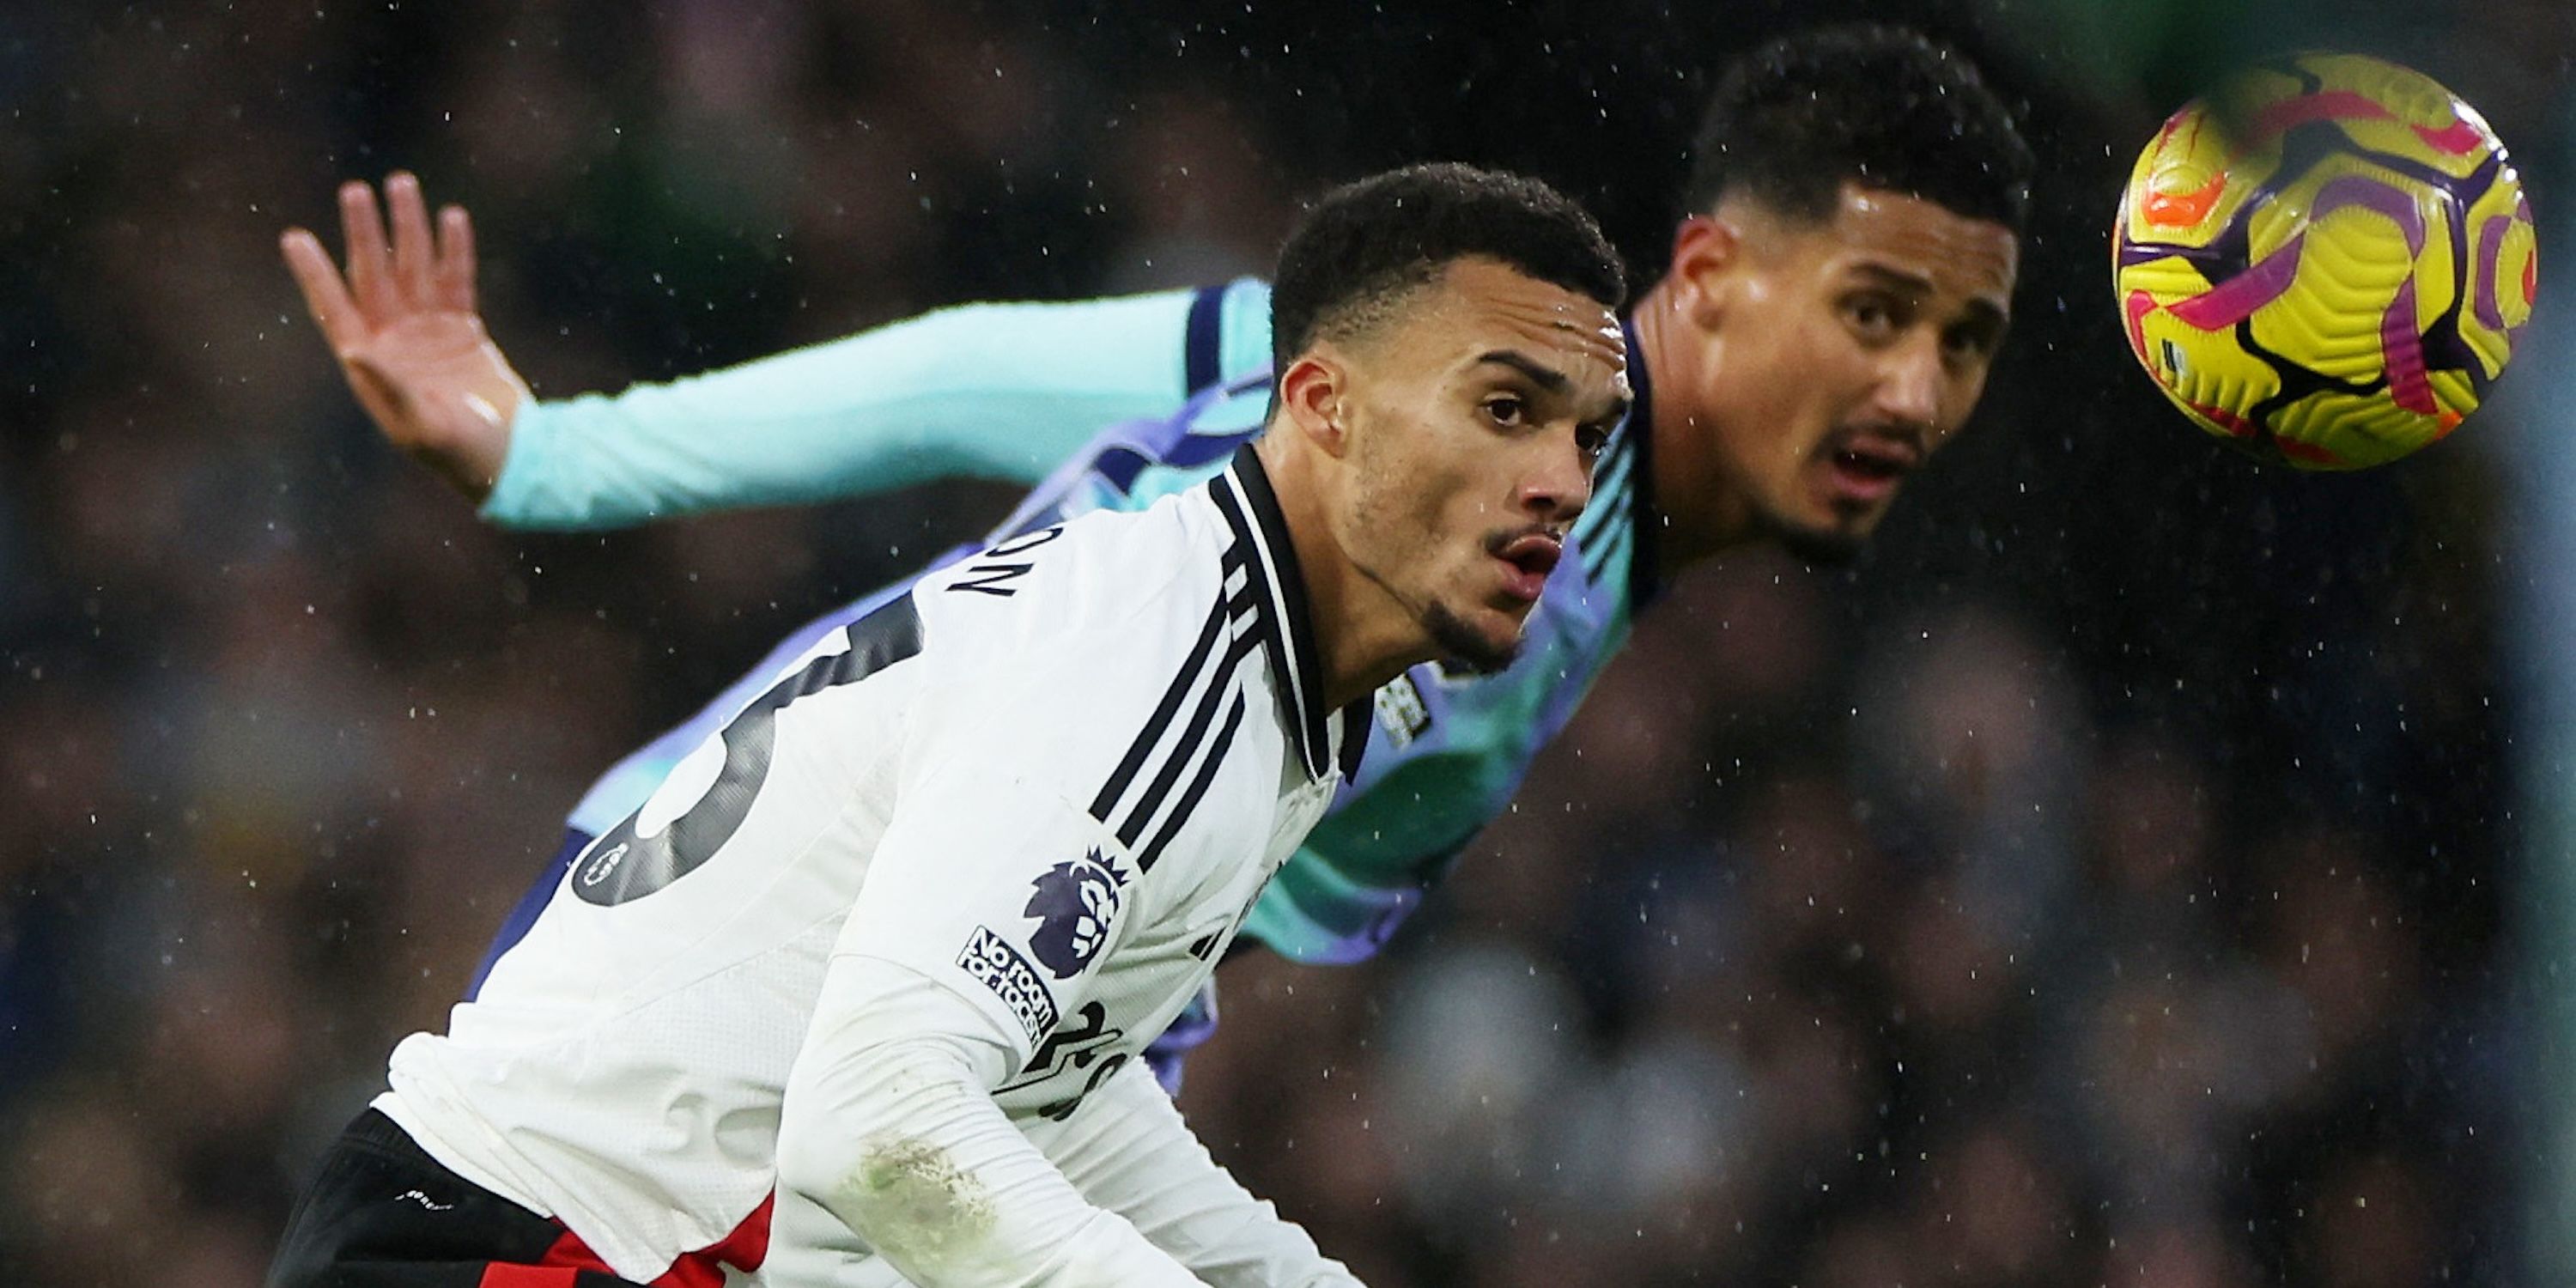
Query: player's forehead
(1875, 232)
(1478, 307)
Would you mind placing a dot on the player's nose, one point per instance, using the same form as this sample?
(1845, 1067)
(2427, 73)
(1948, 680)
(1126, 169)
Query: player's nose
(1557, 484)
(1910, 384)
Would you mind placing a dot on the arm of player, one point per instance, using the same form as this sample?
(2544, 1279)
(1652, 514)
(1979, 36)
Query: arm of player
(889, 1128)
(943, 986)
(1128, 1150)
(997, 391)
(404, 327)
(987, 961)
(1002, 391)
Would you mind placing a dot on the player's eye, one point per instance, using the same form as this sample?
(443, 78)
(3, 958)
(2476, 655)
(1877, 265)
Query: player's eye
(1591, 440)
(1970, 342)
(1872, 316)
(1508, 411)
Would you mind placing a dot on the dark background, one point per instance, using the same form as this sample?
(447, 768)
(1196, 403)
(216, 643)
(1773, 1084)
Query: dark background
(2108, 880)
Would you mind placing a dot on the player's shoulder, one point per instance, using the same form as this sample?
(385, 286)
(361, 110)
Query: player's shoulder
(1109, 584)
(1048, 650)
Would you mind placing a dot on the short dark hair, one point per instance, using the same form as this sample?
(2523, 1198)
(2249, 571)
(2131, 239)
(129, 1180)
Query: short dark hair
(1884, 107)
(1366, 245)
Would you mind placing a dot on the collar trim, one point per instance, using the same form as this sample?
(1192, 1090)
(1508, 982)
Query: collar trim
(1646, 521)
(1243, 495)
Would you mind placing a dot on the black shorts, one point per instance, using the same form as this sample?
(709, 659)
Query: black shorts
(383, 1214)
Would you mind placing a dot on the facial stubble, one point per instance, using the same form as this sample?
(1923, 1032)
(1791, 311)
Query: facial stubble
(1457, 644)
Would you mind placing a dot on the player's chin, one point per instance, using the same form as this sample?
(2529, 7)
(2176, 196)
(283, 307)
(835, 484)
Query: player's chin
(1829, 538)
(1483, 639)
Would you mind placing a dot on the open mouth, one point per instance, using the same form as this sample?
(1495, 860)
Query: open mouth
(1530, 557)
(1867, 467)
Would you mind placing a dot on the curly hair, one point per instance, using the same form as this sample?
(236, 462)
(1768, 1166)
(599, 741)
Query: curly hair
(1880, 106)
(1366, 245)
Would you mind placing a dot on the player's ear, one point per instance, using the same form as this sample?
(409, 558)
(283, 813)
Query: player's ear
(1706, 251)
(1312, 392)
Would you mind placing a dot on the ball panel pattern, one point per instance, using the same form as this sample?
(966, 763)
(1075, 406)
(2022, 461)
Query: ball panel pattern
(2327, 262)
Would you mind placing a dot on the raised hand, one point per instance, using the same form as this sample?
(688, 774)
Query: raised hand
(404, 328)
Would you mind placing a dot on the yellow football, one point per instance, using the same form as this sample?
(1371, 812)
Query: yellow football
(2325, 261)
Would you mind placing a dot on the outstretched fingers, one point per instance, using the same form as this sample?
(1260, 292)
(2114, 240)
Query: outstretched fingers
(370, 261)
(414, 257)
(324, 293)
(455, 275)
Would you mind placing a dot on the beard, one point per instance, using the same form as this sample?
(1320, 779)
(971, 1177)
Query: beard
(1462, 649)
(1814, 546)
(1819, 548)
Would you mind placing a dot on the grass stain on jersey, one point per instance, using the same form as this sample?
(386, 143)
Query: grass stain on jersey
(920, 1208)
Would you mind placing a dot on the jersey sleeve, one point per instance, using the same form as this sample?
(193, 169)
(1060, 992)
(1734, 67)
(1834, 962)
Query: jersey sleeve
(890, 1145)
(984, 936)
(999, 875)
(996, 886)
(1002, 391)
(1128, 1150)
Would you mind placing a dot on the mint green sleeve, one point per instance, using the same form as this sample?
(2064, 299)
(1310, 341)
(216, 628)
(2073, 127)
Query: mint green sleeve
(997, 391)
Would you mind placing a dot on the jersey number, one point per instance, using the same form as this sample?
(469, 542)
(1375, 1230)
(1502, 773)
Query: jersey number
(621, 866)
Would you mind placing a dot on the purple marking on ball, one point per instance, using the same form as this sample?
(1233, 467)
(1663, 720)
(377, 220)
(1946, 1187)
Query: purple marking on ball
(2483, 287)
(2401, 349)
(2303, 148)
(2376, 194)
(2234, 300)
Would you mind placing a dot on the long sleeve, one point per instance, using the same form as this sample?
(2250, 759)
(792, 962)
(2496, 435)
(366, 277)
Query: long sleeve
(890, 1143)
(1002, 391)
(1011, 947)
(1128, 1150)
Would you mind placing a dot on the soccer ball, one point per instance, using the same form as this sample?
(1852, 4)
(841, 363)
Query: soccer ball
(2326, 261)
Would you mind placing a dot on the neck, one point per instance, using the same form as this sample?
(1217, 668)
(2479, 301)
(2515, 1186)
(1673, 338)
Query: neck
(1715, 514)
(1364, 636)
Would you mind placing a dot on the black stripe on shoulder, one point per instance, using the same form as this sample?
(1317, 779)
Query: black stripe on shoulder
(1356, 722)
(1200, 351)
(1597, 564)
(1153, 851)
(1608, 511)
(1143, 811)
(1611, 473)
(1152, 733)
(1613, 533)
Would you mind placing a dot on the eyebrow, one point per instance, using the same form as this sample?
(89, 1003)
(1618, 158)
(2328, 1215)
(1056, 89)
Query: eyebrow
(1982, 309)
(1549, 379)
(1546, 377)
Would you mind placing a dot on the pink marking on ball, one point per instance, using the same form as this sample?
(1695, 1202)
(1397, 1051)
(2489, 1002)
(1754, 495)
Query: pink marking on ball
(2401, 346)
(2135, 310)
(2459, 138)
(2280, 118)
(2297, 451)
(2234, 300)
(2225, 419)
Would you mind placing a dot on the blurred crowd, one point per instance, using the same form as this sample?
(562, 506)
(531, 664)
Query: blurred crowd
(2096, 885)
(1907, 975)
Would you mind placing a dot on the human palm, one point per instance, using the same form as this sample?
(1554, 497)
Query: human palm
(404, 327)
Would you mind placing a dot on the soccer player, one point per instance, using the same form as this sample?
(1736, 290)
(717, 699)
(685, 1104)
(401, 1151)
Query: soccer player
(1841, 278)
(886, 946)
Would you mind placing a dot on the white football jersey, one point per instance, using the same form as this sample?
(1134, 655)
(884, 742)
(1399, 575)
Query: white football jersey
(1051, 779)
